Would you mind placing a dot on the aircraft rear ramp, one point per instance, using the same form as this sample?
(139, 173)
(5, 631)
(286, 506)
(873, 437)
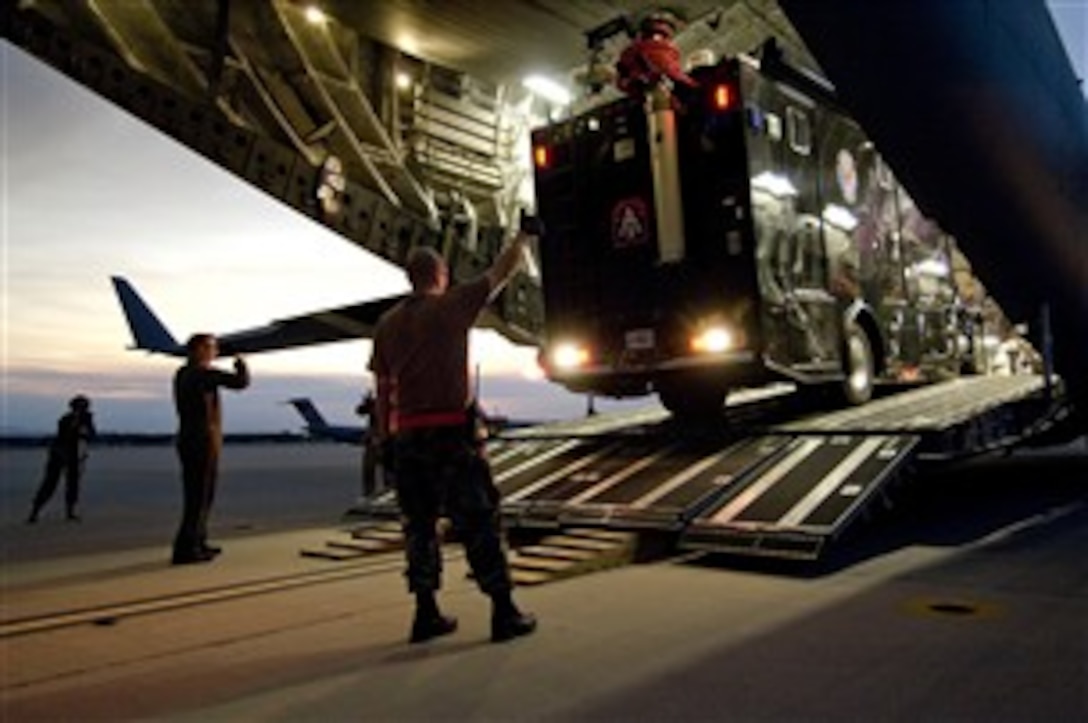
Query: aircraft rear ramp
(781, 489)
(810, 492)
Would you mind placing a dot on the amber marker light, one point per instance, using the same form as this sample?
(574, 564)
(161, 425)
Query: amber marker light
(723, 97)
(542, 157)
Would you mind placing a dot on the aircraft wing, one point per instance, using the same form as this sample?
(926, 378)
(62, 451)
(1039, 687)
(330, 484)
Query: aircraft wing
(356, 321)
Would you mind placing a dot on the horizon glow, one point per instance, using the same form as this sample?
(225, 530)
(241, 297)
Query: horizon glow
(89, 192)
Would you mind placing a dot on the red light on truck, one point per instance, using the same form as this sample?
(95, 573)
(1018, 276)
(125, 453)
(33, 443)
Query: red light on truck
(723, 97)
(542, 157)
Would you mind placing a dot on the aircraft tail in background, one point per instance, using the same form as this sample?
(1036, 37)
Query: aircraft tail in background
(317, 426)
(309, 412)
(148, 332)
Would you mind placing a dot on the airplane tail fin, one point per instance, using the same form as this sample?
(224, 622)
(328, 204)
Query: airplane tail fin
(148, 332)
(308, 410)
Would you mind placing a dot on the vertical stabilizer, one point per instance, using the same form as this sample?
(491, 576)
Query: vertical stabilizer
(148, 332)
(309, 412)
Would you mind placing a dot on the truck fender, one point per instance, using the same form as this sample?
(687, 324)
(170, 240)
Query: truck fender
(860, 313)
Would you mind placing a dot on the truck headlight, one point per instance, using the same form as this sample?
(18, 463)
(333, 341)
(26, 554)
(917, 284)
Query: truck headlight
(567, 356)
(712, 340)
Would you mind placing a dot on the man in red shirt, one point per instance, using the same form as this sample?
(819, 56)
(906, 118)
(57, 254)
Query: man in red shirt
(652, 57)
(420, 360)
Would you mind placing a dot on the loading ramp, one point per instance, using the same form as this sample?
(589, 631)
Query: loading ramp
(803, 499)
(781, 489)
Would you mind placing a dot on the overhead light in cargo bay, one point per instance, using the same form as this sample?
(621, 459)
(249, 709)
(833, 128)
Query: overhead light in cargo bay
(547, 89)
(932, 267)
(775, 184)
(315, 15)
(840, 217)
(402, 80)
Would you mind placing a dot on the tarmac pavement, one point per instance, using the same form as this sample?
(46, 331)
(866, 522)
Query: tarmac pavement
(965, 602)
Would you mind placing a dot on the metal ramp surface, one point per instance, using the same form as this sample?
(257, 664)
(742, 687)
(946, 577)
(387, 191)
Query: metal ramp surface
(515, 466)
(539, 469)
(647, 483)
(782, 490)
(811, 491)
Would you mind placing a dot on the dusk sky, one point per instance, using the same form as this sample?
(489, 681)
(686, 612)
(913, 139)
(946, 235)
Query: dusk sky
(88, 191)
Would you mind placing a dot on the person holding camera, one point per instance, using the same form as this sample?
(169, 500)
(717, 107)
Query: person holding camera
(200, 441)
(67, 457)
(429, 435)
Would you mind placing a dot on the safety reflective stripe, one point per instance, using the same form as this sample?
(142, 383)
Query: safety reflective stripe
(831, 482)
(680, 479)
(768, 480)
(620, 476)
(560, 473)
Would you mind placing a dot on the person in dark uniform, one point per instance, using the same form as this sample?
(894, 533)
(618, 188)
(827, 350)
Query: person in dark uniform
(420, 360)
(67, 456)
(365, 409)
(200, 440)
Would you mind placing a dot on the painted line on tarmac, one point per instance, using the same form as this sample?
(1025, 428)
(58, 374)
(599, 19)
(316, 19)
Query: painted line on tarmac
(109, 614)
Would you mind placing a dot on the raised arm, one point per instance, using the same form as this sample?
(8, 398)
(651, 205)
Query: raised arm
(507, 262)
(240, 378)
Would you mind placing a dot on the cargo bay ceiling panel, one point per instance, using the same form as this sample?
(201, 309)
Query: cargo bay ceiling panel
(393, 123)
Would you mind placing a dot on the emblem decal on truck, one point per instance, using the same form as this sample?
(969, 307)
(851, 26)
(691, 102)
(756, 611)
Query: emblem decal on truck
(630, 223)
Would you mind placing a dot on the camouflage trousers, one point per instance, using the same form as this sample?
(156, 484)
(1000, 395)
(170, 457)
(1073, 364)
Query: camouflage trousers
(439, 473)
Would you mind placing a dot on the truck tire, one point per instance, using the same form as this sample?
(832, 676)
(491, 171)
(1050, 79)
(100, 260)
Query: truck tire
(859, 365)
(692, 400)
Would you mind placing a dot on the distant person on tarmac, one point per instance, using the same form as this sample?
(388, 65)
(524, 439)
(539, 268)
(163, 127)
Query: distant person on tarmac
(67, 456)
(420, 360)
(200, 440)
(371, 452)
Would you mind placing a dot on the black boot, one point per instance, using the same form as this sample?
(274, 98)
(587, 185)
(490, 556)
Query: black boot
(429, 622)
(191, 557)
(507, 622)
